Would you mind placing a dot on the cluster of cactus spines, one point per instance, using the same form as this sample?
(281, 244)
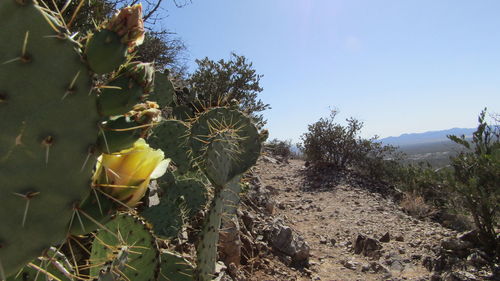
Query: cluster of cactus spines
(127, 247)
(48, 125)
(56, 141)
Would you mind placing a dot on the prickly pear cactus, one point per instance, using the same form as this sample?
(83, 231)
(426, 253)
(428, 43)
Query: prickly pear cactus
(209, 237)
(128, 248)
(175, 268)
(54, 122)
(167, 218)
(45, 160)
(108, 48)
(163, 89)
(172, 137)
(226, 138)
(225, 144)
(131, 86)
(181, 200)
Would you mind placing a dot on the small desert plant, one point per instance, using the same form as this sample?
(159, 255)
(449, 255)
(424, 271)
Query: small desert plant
(279, 148)
(416, 206)
(376, 160)
(477, 179)
(423, 180)
(328, 142)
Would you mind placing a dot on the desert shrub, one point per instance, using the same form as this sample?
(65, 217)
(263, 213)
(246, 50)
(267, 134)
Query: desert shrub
(376, 160)
(327, 142)
(332, 144)
(220, 83)
(279, 148)
(415, 205)
(422, 180)
(477, 179)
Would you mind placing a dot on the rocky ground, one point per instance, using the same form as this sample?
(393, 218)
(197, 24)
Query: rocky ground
(295, 225)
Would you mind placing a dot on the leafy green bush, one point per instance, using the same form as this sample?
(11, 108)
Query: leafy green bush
(477, 179)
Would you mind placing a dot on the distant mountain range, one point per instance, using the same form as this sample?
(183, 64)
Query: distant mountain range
(426, 137)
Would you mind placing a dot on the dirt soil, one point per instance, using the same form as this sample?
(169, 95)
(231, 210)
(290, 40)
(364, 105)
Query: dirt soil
(331, 218)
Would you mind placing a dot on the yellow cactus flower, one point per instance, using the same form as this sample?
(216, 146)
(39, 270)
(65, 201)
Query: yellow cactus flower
(126, 175)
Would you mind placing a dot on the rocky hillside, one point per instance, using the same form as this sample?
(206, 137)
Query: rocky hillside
(298, 225)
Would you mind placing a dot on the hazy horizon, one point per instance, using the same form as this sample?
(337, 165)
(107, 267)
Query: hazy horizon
(398, 66)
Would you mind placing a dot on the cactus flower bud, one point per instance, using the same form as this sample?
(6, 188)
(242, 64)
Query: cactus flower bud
(126, 175)
(128, 24)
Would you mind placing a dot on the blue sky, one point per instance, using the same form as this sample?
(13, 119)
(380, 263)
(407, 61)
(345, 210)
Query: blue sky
(399, 66)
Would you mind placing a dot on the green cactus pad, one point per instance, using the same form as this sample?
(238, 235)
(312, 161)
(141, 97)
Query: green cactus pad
(227, 131)
(219, 158)
(128, 233)
(130, 87)
(175, 268)
(115, 135)
(206, 249)
(193, 192)
(119, 98)
(48, 125)
(172, 137)
(167, 217)
(163, 92)
(181, 201)
(105, 52)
